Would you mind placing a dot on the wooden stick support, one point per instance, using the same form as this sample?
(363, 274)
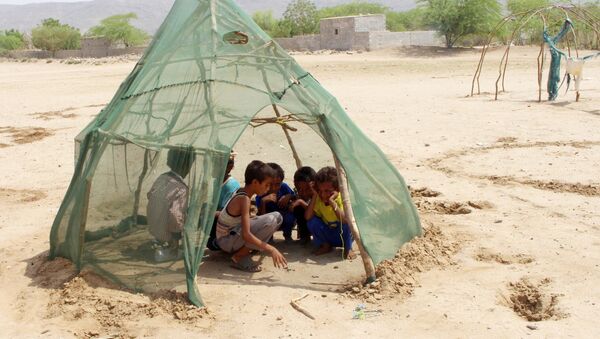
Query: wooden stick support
(289, 139)
(367, 261)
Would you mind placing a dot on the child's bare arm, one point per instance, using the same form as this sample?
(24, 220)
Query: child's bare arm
(340, 212)
(249, 238)
(310, 210)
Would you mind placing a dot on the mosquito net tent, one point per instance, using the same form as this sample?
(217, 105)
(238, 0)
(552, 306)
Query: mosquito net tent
(203, 80)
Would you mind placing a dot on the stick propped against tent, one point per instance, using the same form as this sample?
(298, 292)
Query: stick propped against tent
(367, 261)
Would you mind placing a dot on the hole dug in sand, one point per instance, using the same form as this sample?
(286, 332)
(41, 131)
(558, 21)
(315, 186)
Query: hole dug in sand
(530, 300)
(26, 135)
(398, 277)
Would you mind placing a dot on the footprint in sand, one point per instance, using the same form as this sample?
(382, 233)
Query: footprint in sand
(530, 300)
(485, 255)
(25, 135)
(21, 196)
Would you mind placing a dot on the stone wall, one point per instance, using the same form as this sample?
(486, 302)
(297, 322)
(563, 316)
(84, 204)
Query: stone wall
(369, 23)
(378, 40)
(301, 43)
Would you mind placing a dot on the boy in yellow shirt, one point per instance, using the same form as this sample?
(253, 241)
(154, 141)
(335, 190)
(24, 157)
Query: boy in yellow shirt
(327, 221)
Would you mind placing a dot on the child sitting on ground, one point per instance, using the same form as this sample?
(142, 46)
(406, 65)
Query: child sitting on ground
(168, 203)
(277, 200)
(303, 181)
(229, 186)
(327, 221)
(237, 233)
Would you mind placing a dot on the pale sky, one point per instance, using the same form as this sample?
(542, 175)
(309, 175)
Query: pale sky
(23, 2)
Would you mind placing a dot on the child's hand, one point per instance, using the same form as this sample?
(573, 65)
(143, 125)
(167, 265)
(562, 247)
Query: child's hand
(270, 198)
(284, 201)
(279, 260)
(313, 189)
(297, 203)
(333, 197)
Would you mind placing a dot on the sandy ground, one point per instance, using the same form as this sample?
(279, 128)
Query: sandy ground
(511, 208)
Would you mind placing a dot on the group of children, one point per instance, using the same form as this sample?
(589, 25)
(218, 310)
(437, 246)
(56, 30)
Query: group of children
(315, 206)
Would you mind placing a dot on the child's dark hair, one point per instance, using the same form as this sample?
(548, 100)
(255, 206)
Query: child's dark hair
(258, 170)
(328, 174)
(305, 174)
(279, 173)
(181, 158)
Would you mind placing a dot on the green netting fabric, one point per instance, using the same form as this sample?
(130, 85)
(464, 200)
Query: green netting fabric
(208, 72)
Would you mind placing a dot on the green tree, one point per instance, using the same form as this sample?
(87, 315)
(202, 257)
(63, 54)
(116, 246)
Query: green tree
(456, 19)
(302, 17)
(11, 40)
(353, 8)
(52, 36)
(265, 20)
(117, 29)
(412, 20)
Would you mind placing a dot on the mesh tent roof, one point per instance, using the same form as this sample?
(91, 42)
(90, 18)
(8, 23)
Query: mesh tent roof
(209, 70)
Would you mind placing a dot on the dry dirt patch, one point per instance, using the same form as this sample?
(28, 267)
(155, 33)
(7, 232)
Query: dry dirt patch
(531, 300)
(26, 135)
(21, 196)
(423, 192)
(486, 255)
(398, 277)
(506, 143)
(62, 114)
(90, 297)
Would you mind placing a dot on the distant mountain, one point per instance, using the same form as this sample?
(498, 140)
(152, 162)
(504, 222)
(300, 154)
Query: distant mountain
(151, 13)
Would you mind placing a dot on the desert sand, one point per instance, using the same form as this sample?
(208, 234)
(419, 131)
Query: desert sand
(508, 193)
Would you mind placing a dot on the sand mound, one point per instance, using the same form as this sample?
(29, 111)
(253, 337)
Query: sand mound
(556, 186)
(398, 277)
(442, 207)
(530, 300)
(486, 255)
(89, 297)
(26, 135)
(423, 192)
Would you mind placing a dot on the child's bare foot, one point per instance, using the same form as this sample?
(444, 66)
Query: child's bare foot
(325, 248)
(349, 255)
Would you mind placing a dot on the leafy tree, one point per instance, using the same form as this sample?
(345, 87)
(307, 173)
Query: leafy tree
(11, 40)
(412, 20)
(353, 8)
(302, 17)
(265, 20)
(455, 19)
(117, 29)
(52, 36)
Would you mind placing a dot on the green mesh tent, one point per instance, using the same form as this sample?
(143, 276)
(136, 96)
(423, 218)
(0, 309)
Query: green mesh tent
(208, 72)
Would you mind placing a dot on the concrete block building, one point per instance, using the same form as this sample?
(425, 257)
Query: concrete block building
(359, 32)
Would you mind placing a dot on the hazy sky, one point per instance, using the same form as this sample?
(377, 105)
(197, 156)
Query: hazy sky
(22, 2)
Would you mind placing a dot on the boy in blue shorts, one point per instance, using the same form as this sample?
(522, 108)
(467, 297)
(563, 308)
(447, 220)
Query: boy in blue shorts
(327, 221)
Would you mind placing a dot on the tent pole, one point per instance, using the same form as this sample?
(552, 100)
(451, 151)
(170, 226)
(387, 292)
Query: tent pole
(138, 191)
(367, 261)
(289, 139)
